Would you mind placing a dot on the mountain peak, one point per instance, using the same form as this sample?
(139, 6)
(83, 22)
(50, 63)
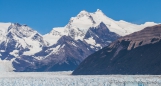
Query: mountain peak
(98, 10)
(17, 24)
(83, 12)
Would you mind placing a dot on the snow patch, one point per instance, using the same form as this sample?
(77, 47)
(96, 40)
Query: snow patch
(90, 41)
(15, 53)
(63, 46)
(2, 50)
(98, 45)
(6, 65)
(54, 50)
(51, 39)
(109, 41)
(74, 44)
(91, 46)
(55, 35)
(34, 46)
(39, 57)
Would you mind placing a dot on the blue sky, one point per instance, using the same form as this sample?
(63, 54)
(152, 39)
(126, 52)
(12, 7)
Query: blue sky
(43, 15)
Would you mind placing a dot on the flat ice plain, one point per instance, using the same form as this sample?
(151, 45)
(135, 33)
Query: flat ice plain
(66, 79)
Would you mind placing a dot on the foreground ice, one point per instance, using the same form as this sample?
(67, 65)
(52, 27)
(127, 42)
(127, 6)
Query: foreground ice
(65, 79)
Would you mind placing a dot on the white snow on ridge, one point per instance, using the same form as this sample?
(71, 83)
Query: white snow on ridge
(56, 49)
(90, 41)
(51, 39)
(53, 50)
(81, 21)
(3, 30)
(55, 35)
(74, 44)
(120, 27)
(34, 46)
(128, 28)
(4, 27)
(15, 53)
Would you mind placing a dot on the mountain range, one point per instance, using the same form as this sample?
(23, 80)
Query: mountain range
(64, 47)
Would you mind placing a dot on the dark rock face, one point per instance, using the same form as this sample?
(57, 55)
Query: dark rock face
(137, 53)
(101, 35)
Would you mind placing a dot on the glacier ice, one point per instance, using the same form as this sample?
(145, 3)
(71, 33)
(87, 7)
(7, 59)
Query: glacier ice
(6, 65)
(65, 79)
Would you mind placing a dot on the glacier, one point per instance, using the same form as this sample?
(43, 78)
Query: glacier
(66, 79)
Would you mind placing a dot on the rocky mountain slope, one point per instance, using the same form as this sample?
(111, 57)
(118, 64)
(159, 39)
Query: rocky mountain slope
(67, 53)
(137, 53)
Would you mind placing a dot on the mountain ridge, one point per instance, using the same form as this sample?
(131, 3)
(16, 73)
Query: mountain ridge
(137, 53)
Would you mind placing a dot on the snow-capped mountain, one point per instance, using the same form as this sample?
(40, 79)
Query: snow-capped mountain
(21, 37)
(18, 40)
(67, 53)
(79, 25)
(64, 47)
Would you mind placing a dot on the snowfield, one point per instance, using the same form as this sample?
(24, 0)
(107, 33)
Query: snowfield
(66, 79)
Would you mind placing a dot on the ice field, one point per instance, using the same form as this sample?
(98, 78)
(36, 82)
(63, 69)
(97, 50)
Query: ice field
(65, 79)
